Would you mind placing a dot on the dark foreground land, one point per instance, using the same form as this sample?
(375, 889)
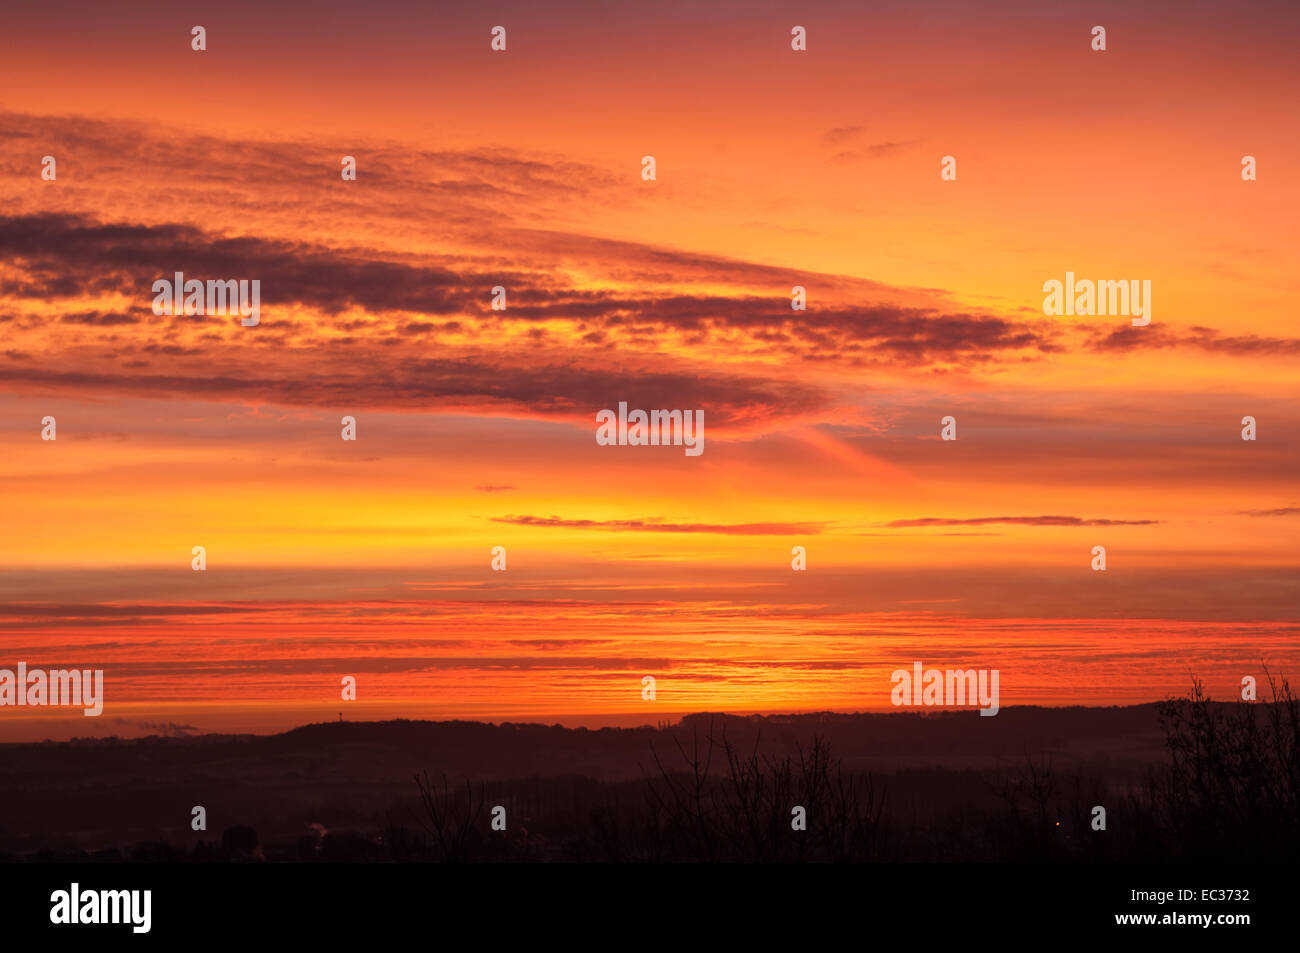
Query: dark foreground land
(1184, 780)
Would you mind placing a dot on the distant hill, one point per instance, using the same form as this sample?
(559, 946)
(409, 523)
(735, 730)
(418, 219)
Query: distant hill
(109, 789)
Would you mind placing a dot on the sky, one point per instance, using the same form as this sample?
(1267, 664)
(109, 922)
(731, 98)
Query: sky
(475, 427)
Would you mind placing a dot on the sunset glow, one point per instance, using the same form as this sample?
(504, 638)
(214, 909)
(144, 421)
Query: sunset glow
(475, 427)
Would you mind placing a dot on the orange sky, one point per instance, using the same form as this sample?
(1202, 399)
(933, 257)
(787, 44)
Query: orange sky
(475, 427)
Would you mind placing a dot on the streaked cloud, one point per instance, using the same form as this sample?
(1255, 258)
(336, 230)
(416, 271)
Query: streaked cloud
(655, 524)
(1017, 521)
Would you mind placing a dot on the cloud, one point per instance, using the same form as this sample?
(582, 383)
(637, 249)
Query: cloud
(97, 318)
(1202, 338)
(1017, 520)
(484, 385)
(336, 322)
(1280, 511)
(842, 134)
(877, 150)
(655, 524)
(891, 148)
(56, 257)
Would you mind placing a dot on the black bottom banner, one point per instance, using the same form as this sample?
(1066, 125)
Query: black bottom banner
(948, 903)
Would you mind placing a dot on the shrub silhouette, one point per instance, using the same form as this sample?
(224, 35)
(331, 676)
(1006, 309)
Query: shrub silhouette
(1233, 788)
(451, 818)
(746, 813)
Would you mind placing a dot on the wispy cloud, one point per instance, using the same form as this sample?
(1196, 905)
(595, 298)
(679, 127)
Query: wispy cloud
(1016, 520)
(654, 524)
(877, 150)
